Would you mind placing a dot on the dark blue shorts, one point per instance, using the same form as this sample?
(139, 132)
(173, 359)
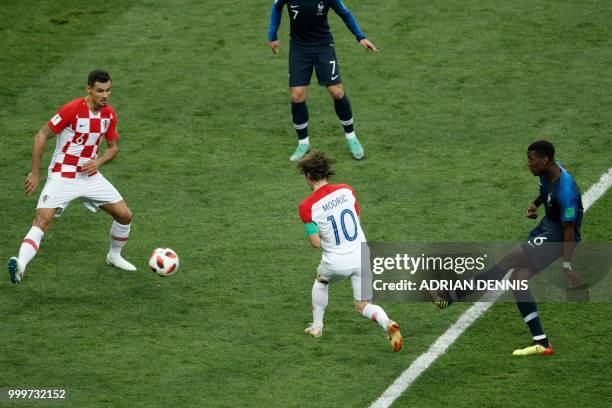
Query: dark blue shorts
(544, 244)
(323, 60)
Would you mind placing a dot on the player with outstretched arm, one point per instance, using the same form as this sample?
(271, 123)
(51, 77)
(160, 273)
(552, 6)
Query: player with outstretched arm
(312, 46)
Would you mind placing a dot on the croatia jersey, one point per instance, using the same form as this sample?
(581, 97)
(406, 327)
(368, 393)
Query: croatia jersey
(334, 210)
(79, 133)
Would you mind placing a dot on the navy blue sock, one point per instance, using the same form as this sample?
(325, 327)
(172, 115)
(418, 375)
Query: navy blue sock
(299, 111)
(343, 110)
(529, 310)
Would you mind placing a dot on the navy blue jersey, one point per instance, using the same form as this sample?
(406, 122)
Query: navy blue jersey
(562, 199)
(308, 22)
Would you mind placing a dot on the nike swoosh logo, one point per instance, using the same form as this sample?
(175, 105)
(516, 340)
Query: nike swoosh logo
(335, 76)
(294, 6)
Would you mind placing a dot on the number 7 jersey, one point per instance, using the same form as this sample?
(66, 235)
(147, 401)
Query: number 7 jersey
(333, 210)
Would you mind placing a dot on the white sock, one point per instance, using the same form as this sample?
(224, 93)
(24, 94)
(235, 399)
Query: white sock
(303, 141)
(29, 246)
(350, 136)
(319, 303)
(119, 234)
(377, 314)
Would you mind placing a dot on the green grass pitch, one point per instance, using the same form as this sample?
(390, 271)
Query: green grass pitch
(445, 113)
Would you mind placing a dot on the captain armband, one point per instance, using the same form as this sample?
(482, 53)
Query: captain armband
(311, 228)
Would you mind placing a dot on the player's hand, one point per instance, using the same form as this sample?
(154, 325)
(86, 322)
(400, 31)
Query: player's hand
(572, 276)
(532, 211)
(367, 44)
(91, 167)
(31, 182)
(275, 46)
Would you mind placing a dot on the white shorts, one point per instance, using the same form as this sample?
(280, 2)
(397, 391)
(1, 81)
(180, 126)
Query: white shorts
(330, 275)
(94, 191)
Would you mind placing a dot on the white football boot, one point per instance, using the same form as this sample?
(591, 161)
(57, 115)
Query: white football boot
(314, 331)
(119, 262)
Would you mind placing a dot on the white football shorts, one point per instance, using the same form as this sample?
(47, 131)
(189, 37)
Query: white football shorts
(330, 275)
(94, 191)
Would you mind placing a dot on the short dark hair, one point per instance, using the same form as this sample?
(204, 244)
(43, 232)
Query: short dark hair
(542, 148)
(98, 75)
(316, 165)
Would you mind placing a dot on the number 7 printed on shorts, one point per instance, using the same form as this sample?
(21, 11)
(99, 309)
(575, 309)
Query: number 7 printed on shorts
(333, 63)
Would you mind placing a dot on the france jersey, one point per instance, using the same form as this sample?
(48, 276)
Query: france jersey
(308, 22)
(562, 200)
(333, 210)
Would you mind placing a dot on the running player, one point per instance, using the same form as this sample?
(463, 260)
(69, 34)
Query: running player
(79, 127)
(562, 201)
(312, 46)
(331, 219)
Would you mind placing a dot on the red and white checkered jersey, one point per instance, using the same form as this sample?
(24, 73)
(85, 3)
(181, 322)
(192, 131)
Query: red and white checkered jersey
(335, 210)
(79, 133)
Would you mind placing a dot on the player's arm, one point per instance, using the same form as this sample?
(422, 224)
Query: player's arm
(569, 243)
(38, 148)
(568, 224)
(351, 23)
(111, 152)
(275, 20)
(532, 210)
(315, 240)
(313, 234)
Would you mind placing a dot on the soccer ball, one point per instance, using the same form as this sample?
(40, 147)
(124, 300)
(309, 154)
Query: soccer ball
(164, 262)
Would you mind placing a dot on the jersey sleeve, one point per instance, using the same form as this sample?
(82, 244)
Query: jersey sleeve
(346, 16)
(63, 117)
(305, 211)
(111, 133)
(306, 215)
(565, 197)
(275, 19)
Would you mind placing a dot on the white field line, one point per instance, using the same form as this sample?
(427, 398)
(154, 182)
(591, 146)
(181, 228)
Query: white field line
(439, 347)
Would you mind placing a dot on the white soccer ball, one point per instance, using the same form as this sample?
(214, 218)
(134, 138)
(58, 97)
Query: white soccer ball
(164, 262)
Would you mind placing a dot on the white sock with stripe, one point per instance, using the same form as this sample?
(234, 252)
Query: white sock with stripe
(29, 246)
(319, 303)
(377, 314)
(119, 234)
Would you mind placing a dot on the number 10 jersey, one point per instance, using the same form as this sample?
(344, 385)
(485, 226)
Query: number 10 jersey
(335, 211)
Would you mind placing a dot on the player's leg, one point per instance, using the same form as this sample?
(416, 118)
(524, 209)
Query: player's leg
(319, 303)
(529, 311)
(119, 233)
(345, 114)
(375, 313)
(515, 258)
(299, 113)
(30, 244)
(543, 247)
(101, 193)
(328, 75)
(300, 71)
(54, 198)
